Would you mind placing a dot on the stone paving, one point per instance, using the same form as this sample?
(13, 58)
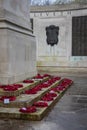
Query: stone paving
(70, 113)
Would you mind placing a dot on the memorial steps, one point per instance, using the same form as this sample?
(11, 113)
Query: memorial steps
(34, 100)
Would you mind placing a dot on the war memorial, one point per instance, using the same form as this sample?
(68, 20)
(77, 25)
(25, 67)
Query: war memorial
(66, 27)
(43, 66)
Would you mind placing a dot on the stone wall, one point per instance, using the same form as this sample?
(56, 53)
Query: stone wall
(60, 55)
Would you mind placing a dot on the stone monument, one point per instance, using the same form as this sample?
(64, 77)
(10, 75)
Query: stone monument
(17, 43)
(61, 37)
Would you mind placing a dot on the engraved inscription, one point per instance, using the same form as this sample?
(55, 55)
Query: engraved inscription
(79, 36)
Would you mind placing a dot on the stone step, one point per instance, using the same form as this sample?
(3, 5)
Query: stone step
(14, 113)
(26, 100)
(26, 86)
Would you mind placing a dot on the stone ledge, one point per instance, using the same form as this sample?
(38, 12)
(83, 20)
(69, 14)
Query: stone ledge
(60, 7)
(62, 69)
(26, 100)
(19, 91)
(13, 113)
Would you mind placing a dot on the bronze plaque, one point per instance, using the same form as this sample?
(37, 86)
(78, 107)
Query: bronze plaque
(79, 36)
(52, 33)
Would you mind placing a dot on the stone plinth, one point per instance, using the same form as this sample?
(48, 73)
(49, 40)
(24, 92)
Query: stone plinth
(17, 44)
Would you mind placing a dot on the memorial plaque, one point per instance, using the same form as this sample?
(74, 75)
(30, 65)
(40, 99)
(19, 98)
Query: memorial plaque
(52, 33)
(79, 36)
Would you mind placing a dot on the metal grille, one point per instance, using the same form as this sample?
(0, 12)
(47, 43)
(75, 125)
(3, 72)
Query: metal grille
(79, 36)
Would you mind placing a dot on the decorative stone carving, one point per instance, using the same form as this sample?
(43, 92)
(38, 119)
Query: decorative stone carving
(52, 33)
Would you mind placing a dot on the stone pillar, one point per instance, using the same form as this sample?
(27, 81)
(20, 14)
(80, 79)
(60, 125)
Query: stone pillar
(17, 44)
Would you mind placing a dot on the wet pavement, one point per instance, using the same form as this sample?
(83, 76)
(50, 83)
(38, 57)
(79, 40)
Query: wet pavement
(70, 113)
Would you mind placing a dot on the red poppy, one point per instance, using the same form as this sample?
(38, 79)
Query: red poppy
(18, 85)
(57, 89)
(46, 75)
(47, 98)
(10, 88)
(45, 85)
(30, 109)
(1, 86)
(28, 81)
(31, 91)
(56, 78)
(38, 76)
(40, 104)
(51, 94)
(48, 83)
(67, 81)
(37, 88)
(60, 88)
(11, 98)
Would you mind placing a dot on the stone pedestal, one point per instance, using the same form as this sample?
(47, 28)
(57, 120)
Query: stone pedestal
(17, 44)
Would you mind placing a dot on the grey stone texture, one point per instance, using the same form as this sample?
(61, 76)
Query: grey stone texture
(70, 113)
(58, 56)
(17, 43)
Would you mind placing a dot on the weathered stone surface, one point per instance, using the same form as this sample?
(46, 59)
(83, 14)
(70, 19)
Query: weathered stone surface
(24, 99)
(60, 55)
(70, 113)
(17, 45)
(13, 113)
(19, 91)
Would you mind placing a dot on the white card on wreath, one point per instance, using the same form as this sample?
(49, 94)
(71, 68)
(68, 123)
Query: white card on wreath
(6, 101)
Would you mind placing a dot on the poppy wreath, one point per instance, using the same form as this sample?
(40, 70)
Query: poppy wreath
(30, 109)
(46, 75)
(48, 96)
(53, 80)
(40, 104)
(45, 98)
(18, 85)
(45, 85)
(59, 88)
(38, 76)
(1, 86)
(38, 87)
(56, 78)
(31, 91)
(65, 83)
(50, 82)
(28, 81)
(12, 87)
(11, 98)
(51, 94)
(68, 81)
(34, 90)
